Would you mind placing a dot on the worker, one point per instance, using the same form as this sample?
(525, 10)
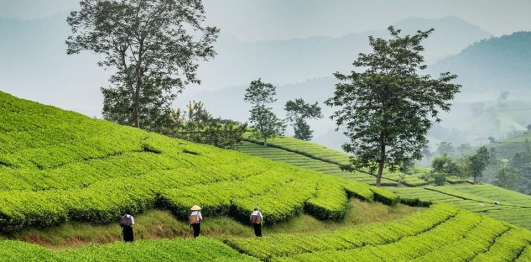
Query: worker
(195, 219)
(496, 203)
(126, 222)
(257, 220)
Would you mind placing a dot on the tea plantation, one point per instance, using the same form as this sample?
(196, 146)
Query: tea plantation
(514, 208)
(58, 166)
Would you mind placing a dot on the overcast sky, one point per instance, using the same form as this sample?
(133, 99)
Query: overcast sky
(274, 19)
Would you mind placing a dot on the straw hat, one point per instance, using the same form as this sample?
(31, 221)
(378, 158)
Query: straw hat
(256, 208)
(195, 208)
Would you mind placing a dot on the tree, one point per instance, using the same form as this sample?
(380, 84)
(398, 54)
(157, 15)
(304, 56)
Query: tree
(298, 112)
(507, 178)
(445, 148)
(265, 124)
(444, 166)
(503, 96)
(529, 128)
(153, 47)
(388, 109)
(426, 153)
(492, 139)
(196, 124)
(479, 162)
(464, 148)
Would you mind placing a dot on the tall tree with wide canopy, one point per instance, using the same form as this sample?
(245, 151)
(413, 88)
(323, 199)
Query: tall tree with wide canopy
(153, 47)
(388, 108)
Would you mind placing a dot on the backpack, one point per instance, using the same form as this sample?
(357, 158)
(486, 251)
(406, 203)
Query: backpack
(193, 219)
(126, 221)
(256, 219)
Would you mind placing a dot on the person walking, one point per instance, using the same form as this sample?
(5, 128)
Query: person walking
(126, 222)
(257, 220)
(194, 219)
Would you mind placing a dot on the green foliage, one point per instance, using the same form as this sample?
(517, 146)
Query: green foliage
(444, 166)
(154, 47)
(507, 178)
(479, 162)
(197, 125)
(265, 124)
(298, 112)
(385, 196)
(463, 227)
(200, 249)
(67, 167)
(326, 160)
(513, 207)
(387, 109)
(283, 245)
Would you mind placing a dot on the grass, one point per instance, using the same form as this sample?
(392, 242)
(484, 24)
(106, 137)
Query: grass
(157, 224)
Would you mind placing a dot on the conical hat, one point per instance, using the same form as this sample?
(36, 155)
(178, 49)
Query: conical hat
(195, 208)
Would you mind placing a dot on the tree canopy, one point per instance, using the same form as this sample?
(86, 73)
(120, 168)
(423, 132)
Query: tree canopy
(153, 48)
(298, 112)
(388, 108)
(265, 124)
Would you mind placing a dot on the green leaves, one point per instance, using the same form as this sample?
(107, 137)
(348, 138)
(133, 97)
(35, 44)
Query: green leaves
(265, 124)
(388, 109)
(153, 47)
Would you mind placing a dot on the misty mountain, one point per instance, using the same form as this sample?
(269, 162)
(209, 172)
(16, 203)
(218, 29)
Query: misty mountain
(296, 60)
(34, 64)
(492, 66)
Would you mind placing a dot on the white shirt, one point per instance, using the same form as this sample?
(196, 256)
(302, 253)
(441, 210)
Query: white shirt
(198, 214)
(132, 219)
(256, 213)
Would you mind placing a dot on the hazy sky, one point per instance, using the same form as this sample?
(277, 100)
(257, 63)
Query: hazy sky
(273, 19)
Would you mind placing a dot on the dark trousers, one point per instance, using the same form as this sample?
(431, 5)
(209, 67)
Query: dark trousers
(197, 229)
(128, 234)
(257, 230)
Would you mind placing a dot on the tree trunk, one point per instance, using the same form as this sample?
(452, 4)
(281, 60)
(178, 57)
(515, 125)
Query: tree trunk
(139, 76)
(381, 163)
(136, 100)
(380, 172)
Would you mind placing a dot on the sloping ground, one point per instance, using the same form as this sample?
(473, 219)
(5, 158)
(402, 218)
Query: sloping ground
(440, 233)
(297, 159)
(514, 208)
(58, 166)
(322, 159)
(157, 224)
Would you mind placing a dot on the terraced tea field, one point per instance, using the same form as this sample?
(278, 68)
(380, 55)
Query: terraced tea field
(440, 233)
(288, 157)
(60, 167)
(514, 208)
(283, 149)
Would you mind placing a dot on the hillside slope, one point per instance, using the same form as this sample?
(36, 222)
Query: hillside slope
(492, 66)
(59, 166)
(514, 207)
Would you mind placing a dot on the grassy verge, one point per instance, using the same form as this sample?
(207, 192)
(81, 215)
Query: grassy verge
(156, 224)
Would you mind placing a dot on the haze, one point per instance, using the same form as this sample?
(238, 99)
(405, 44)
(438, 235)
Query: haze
(295, 44)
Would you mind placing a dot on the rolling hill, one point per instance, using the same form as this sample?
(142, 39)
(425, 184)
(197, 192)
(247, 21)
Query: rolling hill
(492, 66)
(59, 167)
(515, 208)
